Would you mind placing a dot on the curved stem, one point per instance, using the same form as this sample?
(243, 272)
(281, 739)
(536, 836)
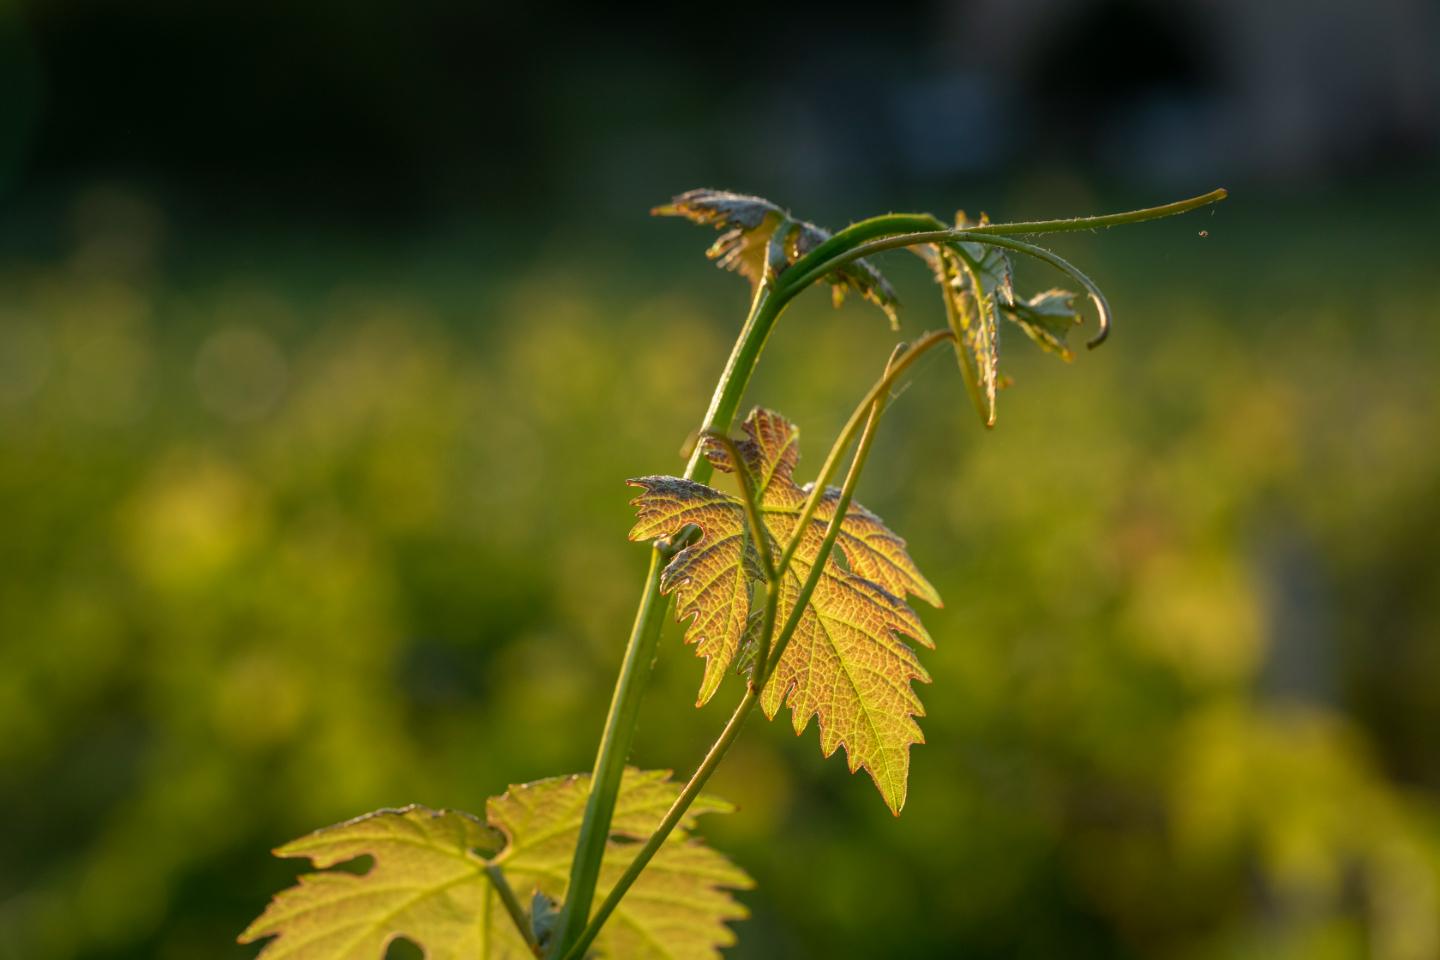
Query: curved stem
(897, 223)
(859, 240)
(886, 225)
(837, 519)
(1102, 305)
(897, 366)
(1097, 296)
(1104, 220)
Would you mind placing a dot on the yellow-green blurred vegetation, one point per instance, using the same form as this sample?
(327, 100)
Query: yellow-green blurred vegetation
(294, 529)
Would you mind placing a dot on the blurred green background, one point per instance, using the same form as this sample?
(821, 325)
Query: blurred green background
(327, 339)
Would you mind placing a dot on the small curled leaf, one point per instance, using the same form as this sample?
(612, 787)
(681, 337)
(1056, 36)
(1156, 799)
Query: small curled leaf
(1047, 318)
(747, 223)
(759, 236)
(975, 282)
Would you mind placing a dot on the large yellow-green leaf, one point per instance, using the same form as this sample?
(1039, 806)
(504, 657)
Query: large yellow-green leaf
(427, 882)
(679, 905)
(846, 664)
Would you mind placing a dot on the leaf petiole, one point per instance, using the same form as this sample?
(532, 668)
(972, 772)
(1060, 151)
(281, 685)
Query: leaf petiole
(898, 365)
(752, 506)
(876, 406)
(767, 633)
(512, 905)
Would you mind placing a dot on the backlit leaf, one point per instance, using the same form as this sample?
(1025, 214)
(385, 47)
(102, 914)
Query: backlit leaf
(976, 283)
(758, 235)
(874, 551)
(847, 663)
(710, 580)
(1047, 318)
(427, 882)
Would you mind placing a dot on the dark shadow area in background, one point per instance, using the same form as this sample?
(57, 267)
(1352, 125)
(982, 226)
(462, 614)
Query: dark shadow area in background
(392, 116)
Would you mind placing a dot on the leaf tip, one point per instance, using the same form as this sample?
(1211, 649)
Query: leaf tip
(895, 797)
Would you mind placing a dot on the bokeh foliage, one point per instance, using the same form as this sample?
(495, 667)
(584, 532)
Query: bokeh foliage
(292, 532)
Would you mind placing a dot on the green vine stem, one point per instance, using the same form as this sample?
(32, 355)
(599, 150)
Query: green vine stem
(898, 223)
(629, 692)
(875, 401)
(1103, 221)
(875, 405)
(615, 741)
(892, 232)
(1102, 305)
(898, 365)
(765, 309)
(673, 816)
(770, 299)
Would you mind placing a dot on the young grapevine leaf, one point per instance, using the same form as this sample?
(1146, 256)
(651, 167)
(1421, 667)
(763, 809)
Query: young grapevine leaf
(758, 235)
(977, 284)
(711, 580)
(428, 881)
(846, 663)
(1047, 318)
